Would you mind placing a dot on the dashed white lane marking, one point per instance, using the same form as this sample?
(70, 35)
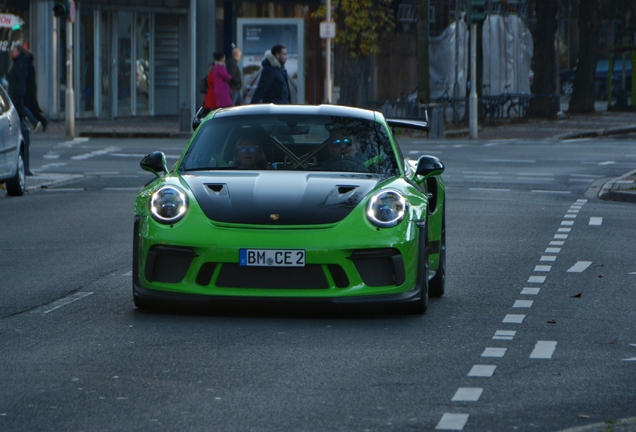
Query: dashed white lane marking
(489, 189)
(555, 243)
(567, 223)
(542, 268)
(467, 394)
(536, 279)
(523, 303)
(560, 236)
(452, 421)
(61, 302)
(513, 319)
(482, 371)
(494, 352)
(607, 163)
(579, 267)
(530, 291)
(482, 177)
(510, 160)
(550, 191)
(94, 153)
(596, 221)
(564, 230)
(481, 173)
(569, 216)
(548, 258)
(543, 350)
(553, 250)
(504, 334)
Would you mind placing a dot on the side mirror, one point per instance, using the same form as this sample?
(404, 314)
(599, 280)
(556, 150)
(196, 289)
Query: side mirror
(155, 162)
(198, 118)
(428, 166)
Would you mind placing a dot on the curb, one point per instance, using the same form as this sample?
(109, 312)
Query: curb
(596, 133)
(620, 425)
(613, 190)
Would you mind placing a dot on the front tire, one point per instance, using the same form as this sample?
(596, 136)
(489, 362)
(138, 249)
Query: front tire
(17, 184)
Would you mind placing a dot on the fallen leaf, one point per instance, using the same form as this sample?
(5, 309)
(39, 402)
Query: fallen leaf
(551, 321)
(584, 416)
(612, 341)
(577, 295)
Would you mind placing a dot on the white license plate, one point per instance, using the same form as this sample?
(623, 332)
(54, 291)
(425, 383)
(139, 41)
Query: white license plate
(272, 257)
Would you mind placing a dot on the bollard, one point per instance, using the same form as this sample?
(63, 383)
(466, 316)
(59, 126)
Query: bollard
(185, 122)
(436, 126)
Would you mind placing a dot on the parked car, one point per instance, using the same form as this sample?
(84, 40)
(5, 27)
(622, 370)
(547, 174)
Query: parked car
(12, 147)
(326, 209)
(600, 79)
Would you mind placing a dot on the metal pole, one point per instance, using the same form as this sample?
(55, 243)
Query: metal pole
(328, 83)
(70, 95)
(473, 82)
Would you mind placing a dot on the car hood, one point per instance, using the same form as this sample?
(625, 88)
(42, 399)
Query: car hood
(278, 198)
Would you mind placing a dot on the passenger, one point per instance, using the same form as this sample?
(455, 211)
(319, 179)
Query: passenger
(343, 149)
(248, 154)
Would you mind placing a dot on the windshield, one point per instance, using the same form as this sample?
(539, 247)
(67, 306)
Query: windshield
(288, 142)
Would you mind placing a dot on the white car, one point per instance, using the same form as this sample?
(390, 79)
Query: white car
(12, 147)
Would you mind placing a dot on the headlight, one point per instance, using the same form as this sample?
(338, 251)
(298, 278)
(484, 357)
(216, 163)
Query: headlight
(386, 209)
(168, 205)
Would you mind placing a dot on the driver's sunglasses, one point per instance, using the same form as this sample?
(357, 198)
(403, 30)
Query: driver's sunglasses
(251, 149)
(338, 142)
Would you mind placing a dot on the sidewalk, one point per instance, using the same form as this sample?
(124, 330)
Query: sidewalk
(600, 123)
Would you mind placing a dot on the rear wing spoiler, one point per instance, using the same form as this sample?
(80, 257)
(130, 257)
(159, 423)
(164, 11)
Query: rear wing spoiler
(421, 125)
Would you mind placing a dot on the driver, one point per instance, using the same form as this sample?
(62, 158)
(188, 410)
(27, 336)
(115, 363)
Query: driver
(248, 154)
(343, 149)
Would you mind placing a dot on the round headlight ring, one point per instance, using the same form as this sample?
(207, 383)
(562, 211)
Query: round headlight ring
(168, 204)
(386, 209)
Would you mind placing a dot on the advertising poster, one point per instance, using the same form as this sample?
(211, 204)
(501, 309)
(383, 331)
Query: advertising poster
(258, 35)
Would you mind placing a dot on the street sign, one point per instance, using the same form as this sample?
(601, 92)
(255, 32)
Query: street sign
(327, 30)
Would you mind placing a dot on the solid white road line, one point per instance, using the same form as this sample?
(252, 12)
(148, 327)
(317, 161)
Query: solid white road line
(504, 334)
(530, 291)
(61, 302)
(513, 319)
(494, 352)
(523, 303)
(596, 221)
(482, 371)
(451, 421)
(536, 279)
(467, 394)
(579, 267)
(543, 350)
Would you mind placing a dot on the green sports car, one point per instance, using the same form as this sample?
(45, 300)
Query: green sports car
(291, 203)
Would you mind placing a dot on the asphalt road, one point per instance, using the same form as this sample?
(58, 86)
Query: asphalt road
(536, 333)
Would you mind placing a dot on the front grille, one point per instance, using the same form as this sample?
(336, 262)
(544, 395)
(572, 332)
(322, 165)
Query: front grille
(235, 276)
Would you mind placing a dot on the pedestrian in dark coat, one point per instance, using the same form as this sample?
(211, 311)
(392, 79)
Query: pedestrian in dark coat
(273, 86)
(17, 79)
(30, 97)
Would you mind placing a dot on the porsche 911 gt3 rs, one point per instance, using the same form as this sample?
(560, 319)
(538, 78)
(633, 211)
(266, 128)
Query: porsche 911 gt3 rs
(285, 203)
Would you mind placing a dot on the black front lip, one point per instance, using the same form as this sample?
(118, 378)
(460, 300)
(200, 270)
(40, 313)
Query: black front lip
(169, 297)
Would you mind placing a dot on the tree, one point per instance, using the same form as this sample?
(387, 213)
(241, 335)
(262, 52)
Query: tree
(359, 24)
(583, 94)
(545, 66)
